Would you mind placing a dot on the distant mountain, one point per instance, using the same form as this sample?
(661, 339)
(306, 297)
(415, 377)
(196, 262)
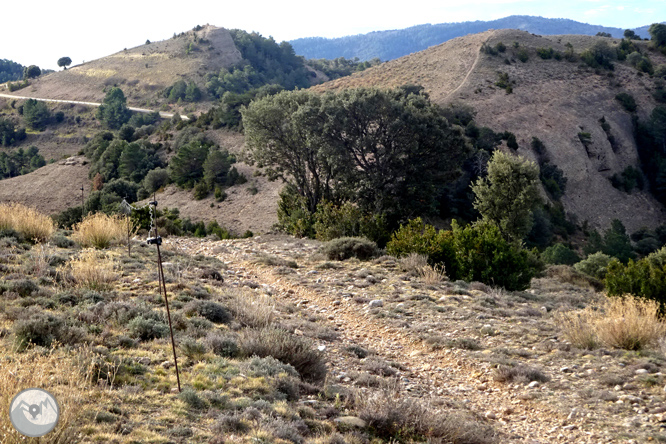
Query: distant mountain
(388, 45)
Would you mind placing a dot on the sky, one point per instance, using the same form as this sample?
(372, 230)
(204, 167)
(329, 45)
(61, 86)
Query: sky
(39, 32)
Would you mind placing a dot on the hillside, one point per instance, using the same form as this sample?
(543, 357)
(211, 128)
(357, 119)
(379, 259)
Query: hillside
(551, 100)
(389, 45)
(144, 71)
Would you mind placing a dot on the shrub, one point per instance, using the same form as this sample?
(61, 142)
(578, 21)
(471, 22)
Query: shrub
(290, 349)
(222, 345)
(212, 311)
(594, 265)
(520, 373)
(545, 53)
(201, 190)
(29, 222)
(192, 399)
(92, 270)
(42, 329)
(559, 254)
(484, 255)
(192, 349)
(627, 101)
(252, 310)
(393, 417)
(417, 237)
(630, 323)
(522, 54)
(147, 328)
(99, 230)
(347, 247)
(645, 278)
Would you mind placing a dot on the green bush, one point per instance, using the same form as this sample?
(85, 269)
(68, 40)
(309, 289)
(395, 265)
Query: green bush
(347, 247)
(594, 265)
(212, 311)
(645, 277)
(627, 101)
(147, 328)
(200, 190)
(522, 54)
(42, 329)
(485, 256)
(559, 254)
(287, 348)
(545, 53)
(420, 238)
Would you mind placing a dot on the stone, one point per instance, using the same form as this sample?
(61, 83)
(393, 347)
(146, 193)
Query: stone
(351, 421)
(145, 360)
(491, 415)
(641, 371)
(533, 384)
(166, 364)
(565, 370)
(376, 303)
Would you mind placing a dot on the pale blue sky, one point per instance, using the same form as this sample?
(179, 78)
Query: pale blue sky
(39, 31)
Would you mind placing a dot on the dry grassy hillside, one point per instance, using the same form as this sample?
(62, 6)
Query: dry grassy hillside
(552, 100)
(50, 189)
(144, 71)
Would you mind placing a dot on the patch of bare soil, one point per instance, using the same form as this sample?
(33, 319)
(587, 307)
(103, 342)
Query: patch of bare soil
(50, 189)
(499, 354)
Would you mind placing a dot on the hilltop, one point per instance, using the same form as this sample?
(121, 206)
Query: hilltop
(392, 44)
(551, 100)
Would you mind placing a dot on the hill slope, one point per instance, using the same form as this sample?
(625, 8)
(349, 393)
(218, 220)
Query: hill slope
(388, 45)
(142, 71)
(552, 100)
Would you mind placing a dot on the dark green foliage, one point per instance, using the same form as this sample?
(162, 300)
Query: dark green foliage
(603, 34)
(472, 253)
(20, 162)
(116, 158)
(417, 237)
(585, 139)
(155, 179)
(522, 54)
(147, 328)
(36, 114)
(553, 180)
(64, 62)
(222, 345)
(627, 101)
(347, 220)
(297, 351)
(68, 217)
(541, 234)
(484, 255)
(545, 54)
(594, 265)
(600, 55)
(347, 247)
(8, 133)
(631, 35)
(500, 47)
(658, 33)
(180, 90)
(187, 166)
(640, 62)
(511, 141)
(487, 49)
(504, 83)
(617, 243)
(645, 278)
(32, 71)
(114, 112)
(10, 71)
(629, 179)
(192, 399)
(216, 169)
(201, 190)
(386, 151)
(340, 66)
(559, 254)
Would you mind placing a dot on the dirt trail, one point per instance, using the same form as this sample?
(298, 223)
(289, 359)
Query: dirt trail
(471, 70)
(447, 375)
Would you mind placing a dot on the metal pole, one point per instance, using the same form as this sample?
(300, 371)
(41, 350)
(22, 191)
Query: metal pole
(166, 301)
(82, 202)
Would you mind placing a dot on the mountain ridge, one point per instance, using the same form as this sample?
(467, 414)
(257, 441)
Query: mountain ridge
(392, 44)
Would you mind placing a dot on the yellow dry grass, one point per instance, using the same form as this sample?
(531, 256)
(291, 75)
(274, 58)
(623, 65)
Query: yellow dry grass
(59, 374)
(97, 73)
(629, 322)
(28, 221)
(433, 274)
(99, 230)
(92, 269)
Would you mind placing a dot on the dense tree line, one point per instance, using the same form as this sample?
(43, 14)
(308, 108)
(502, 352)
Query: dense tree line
(341, 67)
(20, 162)
(10, 71)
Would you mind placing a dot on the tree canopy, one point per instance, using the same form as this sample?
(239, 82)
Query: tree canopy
(113, 111)
(64, 62)
(507, 196)
(388, 151)
(32, 71)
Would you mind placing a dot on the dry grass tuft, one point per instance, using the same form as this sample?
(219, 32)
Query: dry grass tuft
(413, 262)
(99, 230)
(56, 372)
(32, 224)
(92, 269)
(630, 323)
(433, 274)
(251, 309)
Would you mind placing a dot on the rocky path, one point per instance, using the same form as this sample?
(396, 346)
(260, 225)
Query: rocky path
(519, 412)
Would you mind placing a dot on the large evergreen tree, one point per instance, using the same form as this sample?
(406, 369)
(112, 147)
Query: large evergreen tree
(114, 112)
